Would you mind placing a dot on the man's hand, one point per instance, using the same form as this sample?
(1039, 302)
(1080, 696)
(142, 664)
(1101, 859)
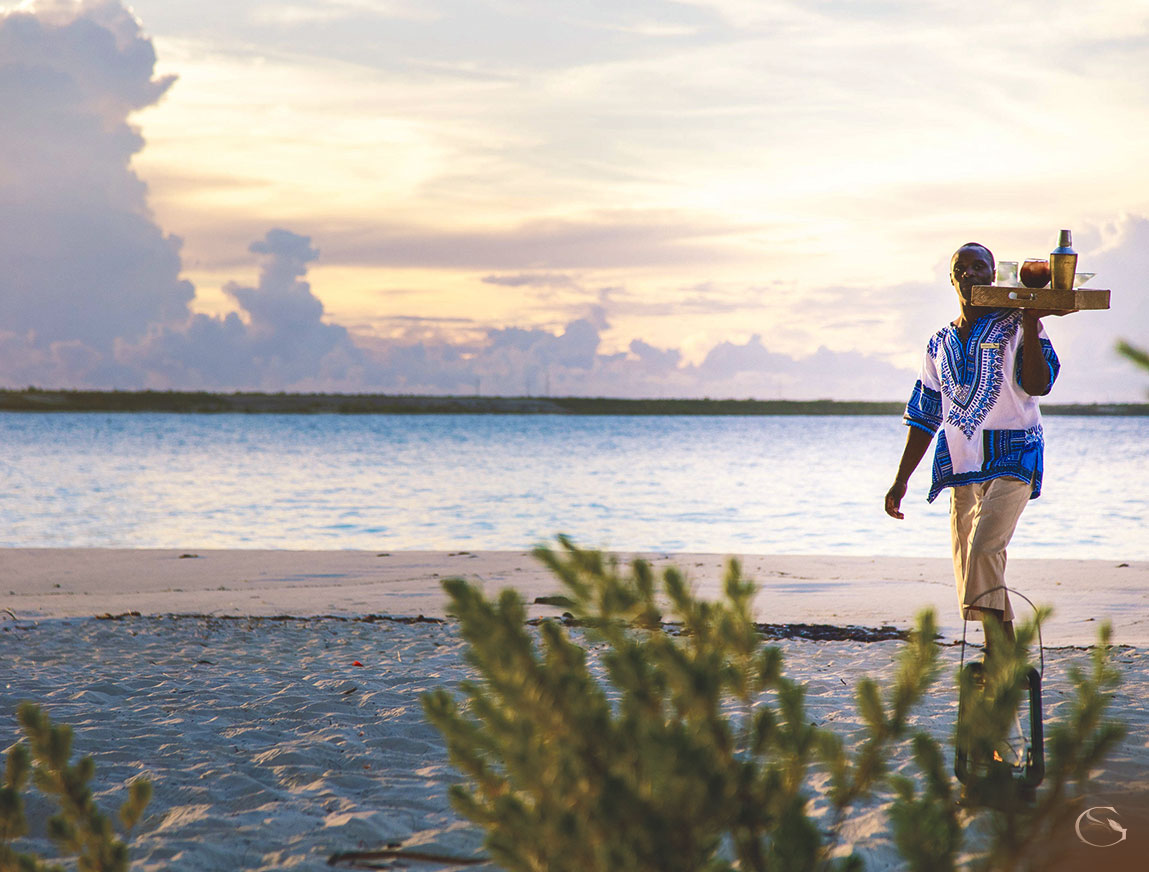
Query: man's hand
(917, 441)
(894, 500)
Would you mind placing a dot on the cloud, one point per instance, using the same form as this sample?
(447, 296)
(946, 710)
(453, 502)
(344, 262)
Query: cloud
(575, 348)
(81, 258)
(532, 280)
(278, 340)
(655, 360)
(606, 239)
(90, 286)
(750, 369)
(515, 361)
(1091, 369)
(728, 359)
(476, 126)
(706, 298)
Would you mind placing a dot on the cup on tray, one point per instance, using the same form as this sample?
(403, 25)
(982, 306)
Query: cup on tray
(1007, 274)
(1035, 273)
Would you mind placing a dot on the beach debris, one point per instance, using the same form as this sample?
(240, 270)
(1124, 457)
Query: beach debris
(776, 632)
(832, 633)
(364, 859)
(188, 556)
(347, 619)
(562, 602)
(108, 616)
(399, 619)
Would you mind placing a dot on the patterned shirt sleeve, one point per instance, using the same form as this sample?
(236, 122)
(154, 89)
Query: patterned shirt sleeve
(924, 410)
(1051, 359)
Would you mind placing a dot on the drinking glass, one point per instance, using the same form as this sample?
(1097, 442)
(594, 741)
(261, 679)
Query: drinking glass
(1007, 273)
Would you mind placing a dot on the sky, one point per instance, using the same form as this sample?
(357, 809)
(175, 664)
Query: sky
(723, 198)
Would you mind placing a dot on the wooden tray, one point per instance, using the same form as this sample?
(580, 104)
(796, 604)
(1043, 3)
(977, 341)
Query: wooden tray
(1007, 297)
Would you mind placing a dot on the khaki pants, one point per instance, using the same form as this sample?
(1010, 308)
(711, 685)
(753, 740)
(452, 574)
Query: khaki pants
(983, 517)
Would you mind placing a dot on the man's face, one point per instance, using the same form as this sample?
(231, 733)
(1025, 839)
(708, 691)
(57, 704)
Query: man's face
(970, 266)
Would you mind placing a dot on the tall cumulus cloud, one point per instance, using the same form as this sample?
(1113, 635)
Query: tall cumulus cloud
(90, 286)
(82, 261)
(277, 339)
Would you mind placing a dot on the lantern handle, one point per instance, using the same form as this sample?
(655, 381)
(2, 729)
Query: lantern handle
(965, 624)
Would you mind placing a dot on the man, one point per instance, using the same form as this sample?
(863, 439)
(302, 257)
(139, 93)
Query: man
(979, 385)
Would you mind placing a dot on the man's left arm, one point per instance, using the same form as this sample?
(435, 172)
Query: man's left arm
(1036, 376)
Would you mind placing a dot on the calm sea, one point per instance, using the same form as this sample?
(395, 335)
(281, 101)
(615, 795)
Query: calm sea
(393, 482)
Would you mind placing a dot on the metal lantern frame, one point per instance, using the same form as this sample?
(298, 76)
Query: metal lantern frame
(1029, 773)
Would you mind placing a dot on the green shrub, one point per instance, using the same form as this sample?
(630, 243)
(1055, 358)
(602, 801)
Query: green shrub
(1139, 356)
(1022, 829)
(693, 751)
(79, 828)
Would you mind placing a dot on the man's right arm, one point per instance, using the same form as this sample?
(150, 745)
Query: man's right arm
(917, 443)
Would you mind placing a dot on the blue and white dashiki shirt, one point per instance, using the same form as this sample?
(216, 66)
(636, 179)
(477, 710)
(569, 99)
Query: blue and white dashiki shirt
(990, 427)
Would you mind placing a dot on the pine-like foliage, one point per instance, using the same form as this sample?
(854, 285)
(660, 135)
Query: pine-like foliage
(693, 749)
(928, 828)
(79, 828)
(692, 753)
(1138, 355)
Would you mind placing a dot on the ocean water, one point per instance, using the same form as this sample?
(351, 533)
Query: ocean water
(795, 485)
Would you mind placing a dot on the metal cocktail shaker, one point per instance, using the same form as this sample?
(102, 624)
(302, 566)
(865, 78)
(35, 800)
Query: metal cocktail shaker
(1063, 263)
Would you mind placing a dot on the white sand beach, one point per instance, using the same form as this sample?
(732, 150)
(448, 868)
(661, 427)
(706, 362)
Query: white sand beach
(865, 591)
(270, 749)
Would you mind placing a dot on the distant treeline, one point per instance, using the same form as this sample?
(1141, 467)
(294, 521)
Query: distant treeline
(202, 402)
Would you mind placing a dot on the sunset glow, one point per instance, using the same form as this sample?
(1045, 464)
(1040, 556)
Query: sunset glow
(780, 177)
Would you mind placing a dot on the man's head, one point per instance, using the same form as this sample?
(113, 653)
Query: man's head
(972, 264)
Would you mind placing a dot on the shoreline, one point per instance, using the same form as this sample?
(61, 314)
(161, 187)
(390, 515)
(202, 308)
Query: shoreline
(838, 591)
(251, 402)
